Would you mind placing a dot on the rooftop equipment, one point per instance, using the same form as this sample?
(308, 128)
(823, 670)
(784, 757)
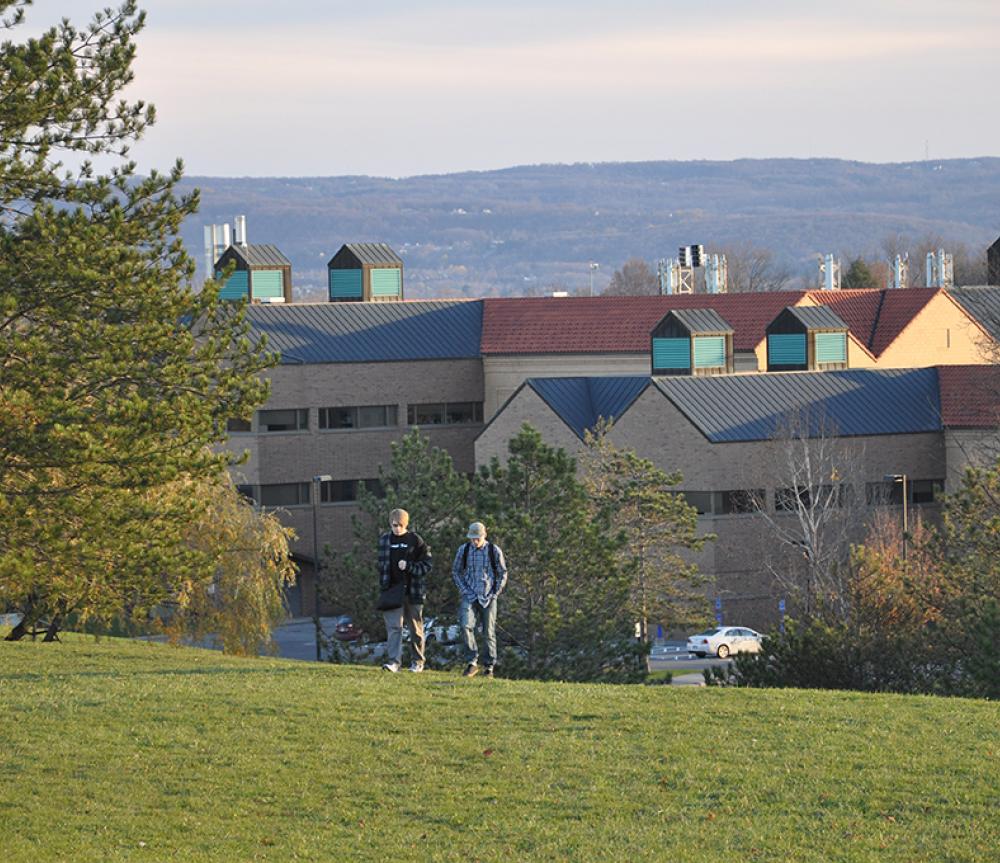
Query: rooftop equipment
(940, 270)
(829, 273)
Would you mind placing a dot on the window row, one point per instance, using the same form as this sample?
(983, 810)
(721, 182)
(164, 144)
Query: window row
(361, 417)
(286, 494)
(749, 500)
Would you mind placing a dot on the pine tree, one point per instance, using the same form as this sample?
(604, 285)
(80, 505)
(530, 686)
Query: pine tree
(116, 375)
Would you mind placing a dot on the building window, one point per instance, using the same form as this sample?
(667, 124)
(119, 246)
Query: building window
(237, 425)
(291, 419)
(248, 491)
(358, 417)
(346, 490)
(918, 491)
(700, 500)
(284, 494)
(738, 501)
(817, 497)
(444, 413)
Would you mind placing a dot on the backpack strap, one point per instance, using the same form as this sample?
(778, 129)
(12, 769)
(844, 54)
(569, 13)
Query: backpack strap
(491, 552)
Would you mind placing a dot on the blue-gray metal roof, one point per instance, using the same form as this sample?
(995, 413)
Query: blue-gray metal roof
(370, 332)
(581, 402)
(727, 408)
(982, 302)
(261, 255)
(376, 254)
(818, 317)
(702, 320)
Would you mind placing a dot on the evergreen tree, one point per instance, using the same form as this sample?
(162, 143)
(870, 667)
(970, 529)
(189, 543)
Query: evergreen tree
(422, 480)
(116, 376)
(566, 612)
(656, 523)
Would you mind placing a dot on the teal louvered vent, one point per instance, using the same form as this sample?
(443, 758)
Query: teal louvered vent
(709, 352)
(387, 282)
(345, 283)
(236, 286)
(786, 349)
(267, 284)
(831, 348)
(671, 354)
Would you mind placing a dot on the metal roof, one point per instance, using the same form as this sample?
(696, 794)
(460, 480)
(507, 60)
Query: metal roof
(981, 302)
(581, 402)
(370, 332)
(702, 320)
(371, 253)
(260, 255)
(728, 408)
(817, 317)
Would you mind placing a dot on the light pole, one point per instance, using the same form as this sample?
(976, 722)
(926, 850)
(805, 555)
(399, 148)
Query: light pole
(593, 266)
(317, 485)
(901, 478)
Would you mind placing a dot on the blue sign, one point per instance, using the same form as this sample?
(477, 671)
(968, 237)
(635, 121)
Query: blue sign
(718, 603)
(781, 606)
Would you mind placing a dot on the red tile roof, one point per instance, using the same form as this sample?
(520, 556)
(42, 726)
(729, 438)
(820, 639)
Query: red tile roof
(876, 318)
(555, 325)
(970, 396)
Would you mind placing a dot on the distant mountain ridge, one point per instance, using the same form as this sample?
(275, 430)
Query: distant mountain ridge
(525, 229)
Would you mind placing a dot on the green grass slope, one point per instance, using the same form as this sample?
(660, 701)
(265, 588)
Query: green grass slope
(128, 751)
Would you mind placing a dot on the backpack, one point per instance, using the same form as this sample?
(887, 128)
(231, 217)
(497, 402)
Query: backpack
(491, 553)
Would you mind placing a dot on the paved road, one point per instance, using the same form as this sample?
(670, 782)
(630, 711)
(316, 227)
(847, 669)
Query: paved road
(686, 668)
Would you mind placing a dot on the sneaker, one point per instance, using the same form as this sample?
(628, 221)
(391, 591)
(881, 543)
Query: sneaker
(417, 667)
(471, 670)
(391, 666)
(488, 671)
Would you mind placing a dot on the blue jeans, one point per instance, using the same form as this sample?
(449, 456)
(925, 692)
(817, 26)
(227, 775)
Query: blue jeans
(468, 612)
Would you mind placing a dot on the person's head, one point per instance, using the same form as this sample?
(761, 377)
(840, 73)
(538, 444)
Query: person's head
(399, 520)
(477, 534)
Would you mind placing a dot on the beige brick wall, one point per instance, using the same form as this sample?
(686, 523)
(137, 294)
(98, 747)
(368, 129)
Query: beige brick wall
(354, 454)
(941, 334)
(527, 407)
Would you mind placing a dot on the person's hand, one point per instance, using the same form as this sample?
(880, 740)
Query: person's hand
(402, 564)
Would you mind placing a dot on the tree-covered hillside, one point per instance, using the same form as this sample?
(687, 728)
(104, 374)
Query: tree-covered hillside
(529, 229)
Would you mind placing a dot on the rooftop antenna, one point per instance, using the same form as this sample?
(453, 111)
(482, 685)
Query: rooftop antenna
(829, 273)
(940, 270)
(900, 275)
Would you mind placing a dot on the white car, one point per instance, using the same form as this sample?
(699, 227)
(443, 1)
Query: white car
(722, 641)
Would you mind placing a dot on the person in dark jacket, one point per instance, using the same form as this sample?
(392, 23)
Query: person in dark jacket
(404, 562)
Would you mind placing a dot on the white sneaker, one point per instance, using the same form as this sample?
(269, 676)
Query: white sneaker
(417, 667)
(391, 666)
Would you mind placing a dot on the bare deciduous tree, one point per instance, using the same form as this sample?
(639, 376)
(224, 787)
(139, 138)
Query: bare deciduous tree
(635, 278)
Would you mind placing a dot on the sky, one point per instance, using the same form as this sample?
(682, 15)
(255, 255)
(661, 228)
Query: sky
(394, 88)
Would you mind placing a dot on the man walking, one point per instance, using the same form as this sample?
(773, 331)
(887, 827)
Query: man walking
(404, 560)
(480, 573)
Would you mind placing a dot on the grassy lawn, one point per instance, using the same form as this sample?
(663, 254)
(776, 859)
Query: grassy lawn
(127, 751)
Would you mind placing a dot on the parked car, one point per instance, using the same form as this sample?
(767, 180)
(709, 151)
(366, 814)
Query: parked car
(346, 629)
(722, 641)
(438, 629)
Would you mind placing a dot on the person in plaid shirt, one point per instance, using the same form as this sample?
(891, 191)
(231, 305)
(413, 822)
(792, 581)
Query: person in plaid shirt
(480, 573)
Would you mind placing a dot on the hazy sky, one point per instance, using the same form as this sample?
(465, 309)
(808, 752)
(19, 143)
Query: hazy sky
(306, 87)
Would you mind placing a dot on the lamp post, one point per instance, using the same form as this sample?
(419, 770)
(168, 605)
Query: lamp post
(593, 266)
(317, 568)
(901, 478)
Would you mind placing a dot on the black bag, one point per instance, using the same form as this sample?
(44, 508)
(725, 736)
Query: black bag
(392, 596)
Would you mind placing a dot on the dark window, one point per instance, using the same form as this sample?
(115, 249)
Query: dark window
(700, 500)
(284, 494)
(741, 500)
(817, 497)
(292, 419)
(346, 490)
(237, 425)
(441, 413)
(889, 493)
(248, 492)
(358, 417)
(926, 490)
